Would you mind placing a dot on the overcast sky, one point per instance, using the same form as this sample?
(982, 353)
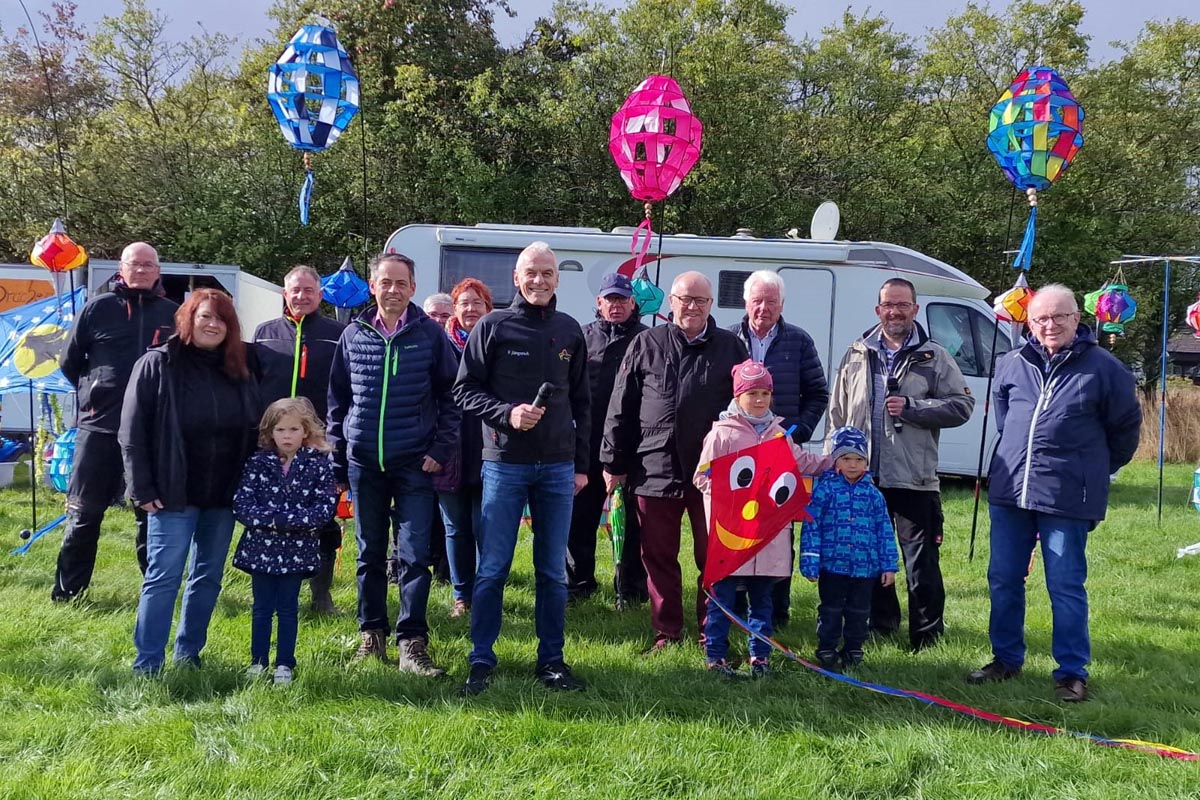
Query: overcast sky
(1106, 20)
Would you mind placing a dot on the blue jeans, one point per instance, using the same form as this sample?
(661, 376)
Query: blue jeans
(716, 624)
(843, 612)
(403, 497)
(173, 537)
(274, 595)
(462, 513)
(550, 491)
(1015, 531)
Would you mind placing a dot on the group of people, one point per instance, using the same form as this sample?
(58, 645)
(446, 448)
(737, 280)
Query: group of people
(471, 414)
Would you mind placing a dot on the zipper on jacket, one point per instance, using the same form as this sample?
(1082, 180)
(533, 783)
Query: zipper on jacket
(388, 355)
(1046, 390)
(296, 357)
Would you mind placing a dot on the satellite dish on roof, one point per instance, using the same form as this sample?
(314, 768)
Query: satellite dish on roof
(825, 222)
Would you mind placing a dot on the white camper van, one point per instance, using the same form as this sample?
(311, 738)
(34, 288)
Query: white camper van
(832, 288)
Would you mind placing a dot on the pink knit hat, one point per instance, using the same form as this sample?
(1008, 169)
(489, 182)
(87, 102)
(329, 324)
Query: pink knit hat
(751, 375)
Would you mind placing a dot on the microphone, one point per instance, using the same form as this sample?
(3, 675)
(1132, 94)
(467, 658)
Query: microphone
(893, 389)
(544, 393)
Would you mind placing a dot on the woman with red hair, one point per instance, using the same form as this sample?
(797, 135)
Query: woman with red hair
(188, 424)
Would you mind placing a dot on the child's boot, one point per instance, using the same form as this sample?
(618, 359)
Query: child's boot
(851, 658)
(759, 668)
(725, 670)
(828, 660)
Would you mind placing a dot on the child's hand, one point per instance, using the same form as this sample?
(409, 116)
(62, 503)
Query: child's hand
(887, 579)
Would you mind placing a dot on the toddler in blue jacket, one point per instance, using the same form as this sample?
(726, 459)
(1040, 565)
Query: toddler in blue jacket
(848, 547)
(286, 496)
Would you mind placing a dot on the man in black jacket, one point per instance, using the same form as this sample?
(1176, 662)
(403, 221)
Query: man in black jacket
(607, 340)
(673, 383)
(111, 332)
(535, 449)
(801, 393)
(295, 352)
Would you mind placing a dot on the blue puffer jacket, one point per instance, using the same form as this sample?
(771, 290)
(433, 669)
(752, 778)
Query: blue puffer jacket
(1062, 431)
(801, 391)
(283, 513)
(390, 401)
(851, 532)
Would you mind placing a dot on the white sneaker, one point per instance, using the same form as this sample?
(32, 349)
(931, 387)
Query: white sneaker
(283, 675)
(256, 671)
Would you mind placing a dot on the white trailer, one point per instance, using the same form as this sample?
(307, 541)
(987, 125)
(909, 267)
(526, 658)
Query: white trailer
(832, 288)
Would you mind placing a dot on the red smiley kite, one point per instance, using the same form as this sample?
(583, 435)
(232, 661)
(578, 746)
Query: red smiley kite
(756, 493)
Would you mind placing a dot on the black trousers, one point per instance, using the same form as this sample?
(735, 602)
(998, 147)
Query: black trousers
(97, 479)
(918, 519)
(630, 580)
(842, 614)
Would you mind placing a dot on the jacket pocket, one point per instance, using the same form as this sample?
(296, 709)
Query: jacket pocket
(654, 439)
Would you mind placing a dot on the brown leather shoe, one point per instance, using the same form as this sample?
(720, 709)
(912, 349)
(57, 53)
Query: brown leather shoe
(995, 671)
(461, 608)
(1071, 690)
(414, 658)
(374, 643)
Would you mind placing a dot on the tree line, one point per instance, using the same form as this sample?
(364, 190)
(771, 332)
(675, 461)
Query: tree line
(133, 135)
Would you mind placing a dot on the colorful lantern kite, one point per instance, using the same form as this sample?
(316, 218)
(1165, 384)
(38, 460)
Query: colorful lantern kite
(1013, 305)
(313, 90)
(57, 252)
(1035, 131)
(1193, 316)
(655, 141)
(1112, 305)
(344, 290)
(756, 493)
(62, 456)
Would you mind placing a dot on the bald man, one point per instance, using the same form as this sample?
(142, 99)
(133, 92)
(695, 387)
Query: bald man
(111, 332)
(673, 383)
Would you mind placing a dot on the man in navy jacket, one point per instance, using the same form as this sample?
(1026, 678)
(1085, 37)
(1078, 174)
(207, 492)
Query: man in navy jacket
(1068, 418)
(393, 422)
(295, 353)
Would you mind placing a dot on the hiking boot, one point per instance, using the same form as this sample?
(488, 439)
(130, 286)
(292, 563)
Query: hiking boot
(283, 676)
(1071, 690)
(829, 660)
(374, 643)
(460, 608)
(415, 658)
(759, 668)
(320, 584)
(558, 676)
(478, 679)
(993, 671)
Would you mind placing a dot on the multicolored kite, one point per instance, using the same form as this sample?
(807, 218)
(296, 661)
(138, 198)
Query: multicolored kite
(756, 493)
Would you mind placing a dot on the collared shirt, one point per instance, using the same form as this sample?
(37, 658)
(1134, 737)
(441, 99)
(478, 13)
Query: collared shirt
(381, 325)
(759, 347)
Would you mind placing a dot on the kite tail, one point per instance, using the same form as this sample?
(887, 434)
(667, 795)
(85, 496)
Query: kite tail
(1024, 259)
(1166, 751)
(306, 192)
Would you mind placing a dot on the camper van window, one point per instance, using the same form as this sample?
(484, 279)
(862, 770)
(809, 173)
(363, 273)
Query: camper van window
(729, 288)
(950, 326)
(984, 327)
(492, 265)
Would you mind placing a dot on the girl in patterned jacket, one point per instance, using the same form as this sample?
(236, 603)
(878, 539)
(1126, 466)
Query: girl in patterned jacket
(848, 548)
(286, 495)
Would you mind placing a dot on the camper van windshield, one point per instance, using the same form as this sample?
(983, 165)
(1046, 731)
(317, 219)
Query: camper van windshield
(494, 266)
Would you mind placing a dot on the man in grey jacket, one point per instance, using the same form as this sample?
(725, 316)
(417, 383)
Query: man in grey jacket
(901, 388)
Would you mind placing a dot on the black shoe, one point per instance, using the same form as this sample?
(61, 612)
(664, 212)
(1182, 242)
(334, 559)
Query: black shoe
(993, 671)
(478, 679)
(188, 662)
(851, 658)
(725, 670)
(829, 660)
(558, 676)
(1071, 690)
(759, 668)
(923, 643)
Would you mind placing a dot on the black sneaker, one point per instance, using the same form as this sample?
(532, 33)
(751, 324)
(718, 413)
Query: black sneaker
(993, 671)
(478, 679)
(851, 658)
(558, 676)
(1071, 690)
(829, 660)
(725, 670)
(759, 668)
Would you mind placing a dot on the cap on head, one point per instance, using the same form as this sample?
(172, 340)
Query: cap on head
(615, 283)
(849, 441)
(750, 375)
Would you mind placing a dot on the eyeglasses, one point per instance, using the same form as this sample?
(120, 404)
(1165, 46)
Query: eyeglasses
(688, 300)
(145, 266)
(1057, 319)
(470, 304)
(903, 308)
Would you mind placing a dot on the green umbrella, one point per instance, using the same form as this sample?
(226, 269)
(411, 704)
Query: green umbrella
(616, 532)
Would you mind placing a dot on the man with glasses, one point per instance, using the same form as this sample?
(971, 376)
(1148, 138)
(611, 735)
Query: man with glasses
(111, 332)
(295, 353)
(902, 388)
(1068, 417)
(607, 340)
(673, 383)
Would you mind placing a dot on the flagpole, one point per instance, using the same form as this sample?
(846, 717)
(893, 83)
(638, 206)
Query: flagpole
(33, 459)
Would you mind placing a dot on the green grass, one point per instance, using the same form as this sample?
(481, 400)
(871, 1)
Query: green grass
(74, 723)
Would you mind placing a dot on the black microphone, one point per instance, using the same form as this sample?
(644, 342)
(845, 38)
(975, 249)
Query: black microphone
(893, 389)
(544, 393)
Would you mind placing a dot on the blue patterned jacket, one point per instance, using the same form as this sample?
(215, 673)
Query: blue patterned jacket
(851, 532)
(282, 513)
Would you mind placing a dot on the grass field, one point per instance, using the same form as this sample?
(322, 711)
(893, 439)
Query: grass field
(75, 723)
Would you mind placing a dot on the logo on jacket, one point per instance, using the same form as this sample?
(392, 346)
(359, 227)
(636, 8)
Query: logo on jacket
(564, 355)
(519, 353)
